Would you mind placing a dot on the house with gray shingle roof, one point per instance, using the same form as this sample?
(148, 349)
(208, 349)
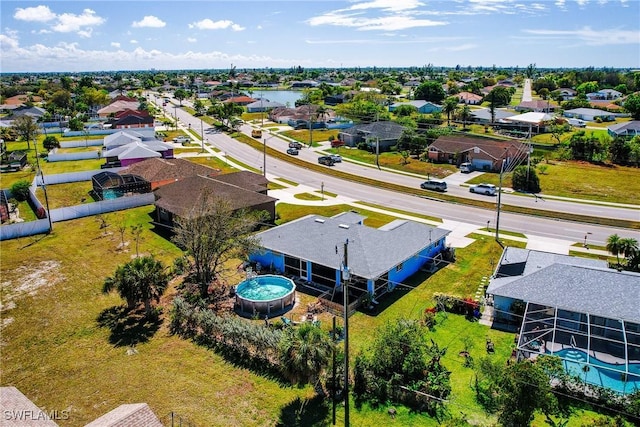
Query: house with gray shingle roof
(383, 134)
(575, 308)
(379, 259)
(631, 128)
(262, 105)
(128, 415)
(589, 114)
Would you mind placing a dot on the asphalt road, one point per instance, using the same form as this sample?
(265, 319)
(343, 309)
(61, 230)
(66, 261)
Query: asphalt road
(530, 225)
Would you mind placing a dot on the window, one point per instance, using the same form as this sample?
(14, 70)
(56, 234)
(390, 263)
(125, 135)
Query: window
(398, 267)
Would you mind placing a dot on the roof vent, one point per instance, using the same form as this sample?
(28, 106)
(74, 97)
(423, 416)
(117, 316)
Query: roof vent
(345, 226)
(320, 220)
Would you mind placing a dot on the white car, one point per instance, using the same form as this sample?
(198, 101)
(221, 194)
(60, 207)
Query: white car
(182, 139)
(488, 189)
(337, 158)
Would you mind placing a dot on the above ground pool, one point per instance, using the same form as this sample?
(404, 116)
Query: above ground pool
(267, 294)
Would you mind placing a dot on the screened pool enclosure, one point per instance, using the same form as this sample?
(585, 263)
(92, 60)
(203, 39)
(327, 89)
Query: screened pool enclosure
(599, 350)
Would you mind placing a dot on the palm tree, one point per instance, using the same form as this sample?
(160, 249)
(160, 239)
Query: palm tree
(465, 113)
(304, 353)
(141, 280)
(613, 246)
(628, 247)
(449, 106)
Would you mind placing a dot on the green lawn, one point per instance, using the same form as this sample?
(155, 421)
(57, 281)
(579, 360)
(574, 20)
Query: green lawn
(581, 180)
(68, 194)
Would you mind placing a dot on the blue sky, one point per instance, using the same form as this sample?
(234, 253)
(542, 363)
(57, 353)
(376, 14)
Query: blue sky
(64, 35)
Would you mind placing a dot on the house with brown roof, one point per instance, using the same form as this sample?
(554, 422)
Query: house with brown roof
(127, 119)
(485, 154)
(178, 199)
(240, 100)
(469, 98)
(160, 172)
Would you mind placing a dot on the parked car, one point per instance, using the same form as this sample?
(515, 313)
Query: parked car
(295, 145)
(488, 189)
(336, 143)
(337, 158)
(182, 139)
(579, 123)
(466, 167)
(292, 151)
(434, 184)
(326, 160)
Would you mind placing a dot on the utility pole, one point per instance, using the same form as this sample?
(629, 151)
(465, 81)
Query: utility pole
(264, 157)
(333, 356)
(345, 276)
(44, 187)
(498, 207)
(202, 134)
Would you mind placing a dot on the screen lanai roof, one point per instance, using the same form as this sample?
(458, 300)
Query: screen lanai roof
(570, 283)
(371, 251)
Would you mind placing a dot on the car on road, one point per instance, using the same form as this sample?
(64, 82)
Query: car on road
(466, 167)
(292, 151)
(295, 145)
(256, 133)
(578, 123)
(434, 184)
(182, 139)
(326, 160)
(337, 158)
(488, 189)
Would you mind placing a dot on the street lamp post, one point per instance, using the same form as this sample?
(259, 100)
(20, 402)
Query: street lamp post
(202, 134)
(264, 156)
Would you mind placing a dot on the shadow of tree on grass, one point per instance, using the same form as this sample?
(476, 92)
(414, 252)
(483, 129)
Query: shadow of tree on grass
(305, 413)
(129, 328)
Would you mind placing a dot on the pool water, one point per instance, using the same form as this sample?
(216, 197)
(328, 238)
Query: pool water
(600, 373)
(264, 288)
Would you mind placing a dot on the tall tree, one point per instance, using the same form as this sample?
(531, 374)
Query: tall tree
(614, 246)
(449, 106)
(465, 114)
(213, 233)
(143, 279)
(431, 91)
(26, 128)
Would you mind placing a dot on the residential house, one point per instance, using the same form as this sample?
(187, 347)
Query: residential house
(629, 129)
(381, 135)
(567, 93)
(159, 171)
(299, 117)
(129, 119)
(469, 98)
(130, 415)
(18, 100)
(181, 198)
(484, 154)
(240, 100)
(379, 259)
(483, 115)
(575, 308)
(117, 106)
(304, 84)
(136, 151)
(263, 105)
(538, 106)
(589, 114)
(36, 113)
(531, 122)
(423, 107)
(335, 99)
(609, 94)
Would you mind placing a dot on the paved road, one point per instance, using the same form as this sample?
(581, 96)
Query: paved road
(545, 229)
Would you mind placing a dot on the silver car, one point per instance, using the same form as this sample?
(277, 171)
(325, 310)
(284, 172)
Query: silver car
(488, 189)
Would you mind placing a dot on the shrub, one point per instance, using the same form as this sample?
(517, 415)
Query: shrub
(20, 190)
(51, 142)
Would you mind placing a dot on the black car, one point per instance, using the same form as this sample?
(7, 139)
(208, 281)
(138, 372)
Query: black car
(292, 151)
(295, 145)
(326, 160)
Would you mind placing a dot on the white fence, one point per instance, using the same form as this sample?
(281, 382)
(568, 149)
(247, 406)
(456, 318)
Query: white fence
(40, 226)
(54, 156)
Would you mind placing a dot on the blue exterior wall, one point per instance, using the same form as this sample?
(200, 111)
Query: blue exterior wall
(268, 258)
(413, 264)
(502, 306)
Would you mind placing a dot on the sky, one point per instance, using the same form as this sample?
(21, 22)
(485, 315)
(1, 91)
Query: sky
(76, 36)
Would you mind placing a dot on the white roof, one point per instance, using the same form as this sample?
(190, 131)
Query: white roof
(531, 117)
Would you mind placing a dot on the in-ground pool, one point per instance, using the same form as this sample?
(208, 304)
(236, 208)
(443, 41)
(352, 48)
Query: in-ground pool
(600, 373)
(265, 294)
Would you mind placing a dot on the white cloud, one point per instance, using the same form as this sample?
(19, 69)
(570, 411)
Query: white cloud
(8, 43)
(133, 41)
(393, 15)
(208, 24)
(149, 21)
(592, 37)
(395, 40)
(37, 14)
(192, 39)
(115, 44)
(69, 22)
